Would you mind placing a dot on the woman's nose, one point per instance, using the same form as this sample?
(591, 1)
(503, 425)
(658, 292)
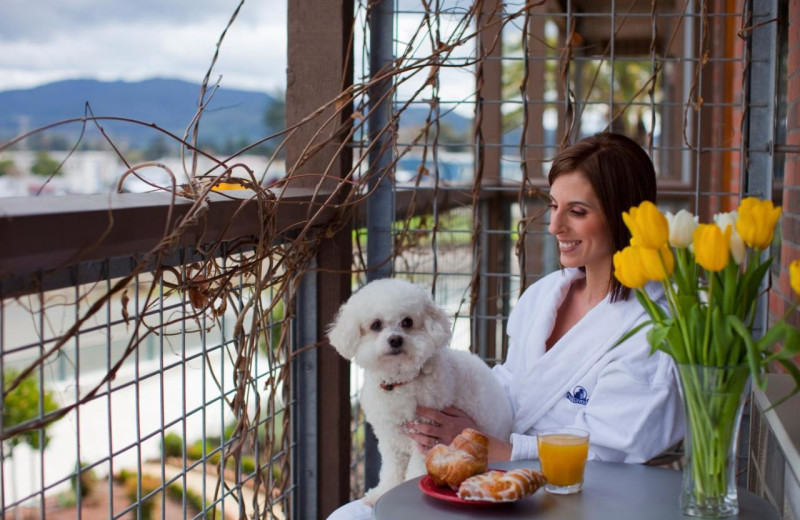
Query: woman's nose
(555, 222)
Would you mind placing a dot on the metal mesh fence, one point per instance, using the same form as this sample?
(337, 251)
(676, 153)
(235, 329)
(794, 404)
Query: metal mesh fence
(456, 110)
(148, 406)
(485, 93)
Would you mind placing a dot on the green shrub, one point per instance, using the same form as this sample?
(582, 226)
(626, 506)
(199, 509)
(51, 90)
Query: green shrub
(124, 476)
(88, 480)
(45, 166)
(215, 457)
(147, 507)
(7, 167)
(173, 445)
(195, 501)
(195, 452)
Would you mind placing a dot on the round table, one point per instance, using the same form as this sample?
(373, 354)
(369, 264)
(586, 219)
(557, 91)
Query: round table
(611, 491)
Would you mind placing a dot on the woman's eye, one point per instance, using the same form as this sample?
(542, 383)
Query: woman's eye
(578, 213)
(376, 325)
(407, 323)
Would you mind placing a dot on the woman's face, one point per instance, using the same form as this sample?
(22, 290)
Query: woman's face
(578, 223)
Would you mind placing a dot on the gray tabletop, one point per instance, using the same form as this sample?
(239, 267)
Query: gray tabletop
(610, 491)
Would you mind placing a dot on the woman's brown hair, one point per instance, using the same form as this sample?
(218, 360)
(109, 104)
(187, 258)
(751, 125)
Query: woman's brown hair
(621, 175)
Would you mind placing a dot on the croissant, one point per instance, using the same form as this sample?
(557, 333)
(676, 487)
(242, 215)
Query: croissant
(466, 456)
(499, 486)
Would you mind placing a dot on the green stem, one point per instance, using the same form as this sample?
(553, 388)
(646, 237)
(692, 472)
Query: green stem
(672, 303)
(713, 398)
(707, 331)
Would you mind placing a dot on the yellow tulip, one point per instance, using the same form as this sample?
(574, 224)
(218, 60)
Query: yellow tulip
(647, 225)
(657, 264)
(756, 222)
(628, 268)
(794, 276)
(712, 246)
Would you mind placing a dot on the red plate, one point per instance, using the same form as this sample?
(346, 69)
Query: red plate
(429, 487)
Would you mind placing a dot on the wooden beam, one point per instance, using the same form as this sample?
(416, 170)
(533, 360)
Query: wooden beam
(320, 68)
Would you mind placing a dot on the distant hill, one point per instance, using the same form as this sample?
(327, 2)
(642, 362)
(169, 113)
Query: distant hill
(171, 104)
(232, 115)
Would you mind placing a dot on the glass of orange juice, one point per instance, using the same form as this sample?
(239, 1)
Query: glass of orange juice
(562, 454)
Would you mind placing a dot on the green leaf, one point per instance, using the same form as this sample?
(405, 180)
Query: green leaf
(752, 352)
(792, 369)
(791, 342)
(751, 281)
(722, 337)
(655, 311)
(656, 337)
(679, 350)
(686, 302)
(630, 333)
(730, 288)
(772, 336)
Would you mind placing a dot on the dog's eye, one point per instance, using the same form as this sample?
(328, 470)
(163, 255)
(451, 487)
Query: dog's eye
(407, 323)
(376, 325)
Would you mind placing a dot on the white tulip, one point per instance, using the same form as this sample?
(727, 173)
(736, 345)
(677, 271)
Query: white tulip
(681, 228)
(738, 250)
(724, 220)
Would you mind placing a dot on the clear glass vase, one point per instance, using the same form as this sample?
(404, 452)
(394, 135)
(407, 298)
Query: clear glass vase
(713, 399)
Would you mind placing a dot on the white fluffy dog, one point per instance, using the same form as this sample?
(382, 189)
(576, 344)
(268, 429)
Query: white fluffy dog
(394, 331)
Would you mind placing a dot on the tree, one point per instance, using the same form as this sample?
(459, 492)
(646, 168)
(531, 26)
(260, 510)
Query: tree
(275, 115)
(156, 149)
(45, 165)
(22, 404)
(7, 167)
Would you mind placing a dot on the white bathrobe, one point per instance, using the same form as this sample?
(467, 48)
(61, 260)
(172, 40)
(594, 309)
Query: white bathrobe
(627, 399)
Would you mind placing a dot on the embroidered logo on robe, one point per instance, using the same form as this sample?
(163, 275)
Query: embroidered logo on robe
(579, 395)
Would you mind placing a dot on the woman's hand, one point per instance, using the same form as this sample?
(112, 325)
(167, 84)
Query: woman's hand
(434, 427)
(442, 426)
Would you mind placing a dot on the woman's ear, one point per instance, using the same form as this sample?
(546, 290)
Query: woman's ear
(437, 323)
(344, 333)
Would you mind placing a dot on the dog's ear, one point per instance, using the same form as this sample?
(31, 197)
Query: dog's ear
(437, 323)
(344, 333)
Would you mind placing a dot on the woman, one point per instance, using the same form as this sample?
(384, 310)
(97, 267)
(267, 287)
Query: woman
(561, 370)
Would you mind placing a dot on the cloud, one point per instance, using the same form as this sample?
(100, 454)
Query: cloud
(46, 40)
(37, 20)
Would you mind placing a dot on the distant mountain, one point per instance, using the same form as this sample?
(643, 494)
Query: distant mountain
(232, 115)
(415, 116)
(171, 104)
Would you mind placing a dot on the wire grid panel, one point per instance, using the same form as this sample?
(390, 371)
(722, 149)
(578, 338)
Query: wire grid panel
(485, 93)
(128, 402)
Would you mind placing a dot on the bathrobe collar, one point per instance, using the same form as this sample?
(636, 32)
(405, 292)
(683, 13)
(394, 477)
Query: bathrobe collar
(550, 374)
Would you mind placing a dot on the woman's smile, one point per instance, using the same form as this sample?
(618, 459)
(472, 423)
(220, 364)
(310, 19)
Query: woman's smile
(579, 224)
(566, 247)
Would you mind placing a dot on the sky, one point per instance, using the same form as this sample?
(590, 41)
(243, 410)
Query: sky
(48, 40)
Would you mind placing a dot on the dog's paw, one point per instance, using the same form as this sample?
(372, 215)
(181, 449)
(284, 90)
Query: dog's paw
(372, 496)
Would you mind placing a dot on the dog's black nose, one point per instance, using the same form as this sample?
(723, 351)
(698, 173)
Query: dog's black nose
(395, 341)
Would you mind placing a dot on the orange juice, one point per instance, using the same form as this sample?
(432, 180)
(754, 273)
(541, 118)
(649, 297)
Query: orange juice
(563, 457)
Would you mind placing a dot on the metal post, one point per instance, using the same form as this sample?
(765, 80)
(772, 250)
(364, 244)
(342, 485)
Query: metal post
(758, 141)
(305, 394)
(380, 205)
(760, 138)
